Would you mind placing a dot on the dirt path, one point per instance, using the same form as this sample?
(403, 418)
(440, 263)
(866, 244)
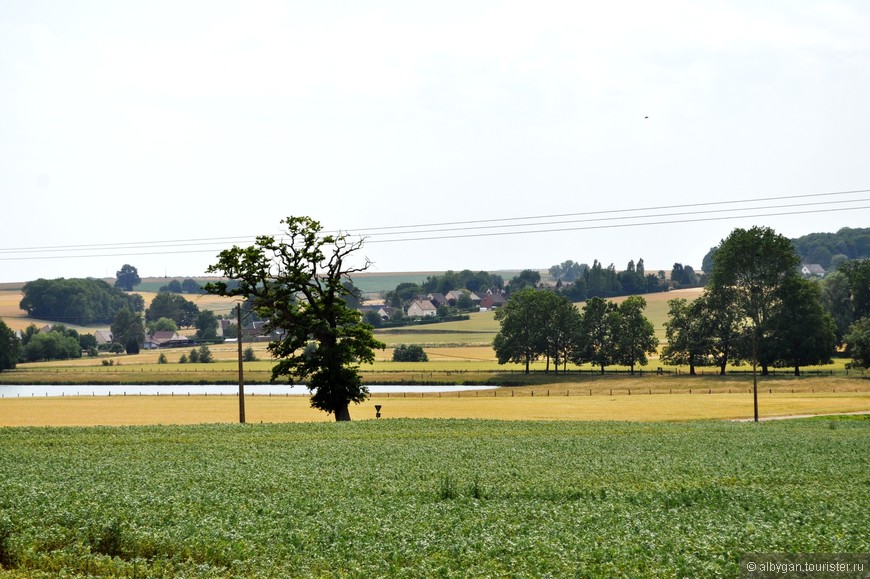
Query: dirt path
(789, 417)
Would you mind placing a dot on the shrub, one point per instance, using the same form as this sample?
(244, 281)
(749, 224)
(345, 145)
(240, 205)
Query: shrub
(410, 353)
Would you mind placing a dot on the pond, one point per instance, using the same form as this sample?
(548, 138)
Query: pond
(28, 391)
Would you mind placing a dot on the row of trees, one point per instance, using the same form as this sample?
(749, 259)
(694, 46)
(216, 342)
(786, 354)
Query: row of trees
(538, 323)
(755, 307)
(127, 278)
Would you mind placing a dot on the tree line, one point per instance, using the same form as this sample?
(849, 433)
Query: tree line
(755, 307)
(538, 323)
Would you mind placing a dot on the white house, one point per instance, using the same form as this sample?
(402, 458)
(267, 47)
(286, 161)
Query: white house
(811, 269)
(420, 308)
(103, 337)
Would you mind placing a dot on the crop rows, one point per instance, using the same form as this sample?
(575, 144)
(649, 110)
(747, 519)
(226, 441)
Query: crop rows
(429, 498)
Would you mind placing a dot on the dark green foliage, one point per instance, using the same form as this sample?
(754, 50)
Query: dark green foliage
(634, 334)
(78, 301)
(173, 306)
(858, 274)
(249, 355)
(206, 325)
(822, 248)
(683, 276)
(404, 293)
(10, 349)
(87, 341)
(858, 341)
(131, 346)
(52, 346)
(801, 332)
(191, 286)
(528, 278)
(568, 271)
(596, 338)
(410, 353)
(127, 277)
(754, 266)
(465, 279)
(173, 287)
(205, 355)
(300, 288)
(602, 282)
(373, 319)
(161, 359)
(127, 327)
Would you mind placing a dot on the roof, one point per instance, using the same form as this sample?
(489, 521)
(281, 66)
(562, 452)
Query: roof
(814, 268)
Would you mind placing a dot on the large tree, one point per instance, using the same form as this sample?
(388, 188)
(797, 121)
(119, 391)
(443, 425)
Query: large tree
(127, 277)
(634, 334)
(858, 274)
(173, 306)
(521, 338)
(802, 333)
(755, 264)
(686, 333)
(562, 330)
(298, 285)
(206, 325)
(128, 330)
(596, 340)
(858, 340)
(10, 347)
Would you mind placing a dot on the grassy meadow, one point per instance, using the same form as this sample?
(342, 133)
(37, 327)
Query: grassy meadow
(425, 498)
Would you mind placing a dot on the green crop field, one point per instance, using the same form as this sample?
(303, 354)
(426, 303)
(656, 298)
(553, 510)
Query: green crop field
(424, 498)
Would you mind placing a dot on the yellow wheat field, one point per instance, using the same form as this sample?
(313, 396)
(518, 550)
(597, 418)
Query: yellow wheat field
(492, 404)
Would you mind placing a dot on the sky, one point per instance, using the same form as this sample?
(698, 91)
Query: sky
(158, 133)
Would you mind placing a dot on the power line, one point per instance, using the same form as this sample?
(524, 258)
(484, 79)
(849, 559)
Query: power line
(608, 211)
(617, 226)
(630, 217)
(414, 232)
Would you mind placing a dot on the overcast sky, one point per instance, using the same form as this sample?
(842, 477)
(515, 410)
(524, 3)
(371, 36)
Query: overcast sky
(163, 124)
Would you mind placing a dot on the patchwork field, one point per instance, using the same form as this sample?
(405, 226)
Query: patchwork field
(423, 498)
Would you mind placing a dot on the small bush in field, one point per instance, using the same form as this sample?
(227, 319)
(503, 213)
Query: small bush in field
(410, 353)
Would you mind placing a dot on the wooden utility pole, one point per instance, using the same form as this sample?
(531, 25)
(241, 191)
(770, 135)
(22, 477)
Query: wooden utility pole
(754, 376)
(241, 365)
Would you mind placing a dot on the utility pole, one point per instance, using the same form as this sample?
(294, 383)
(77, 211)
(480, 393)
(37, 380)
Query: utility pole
(242, 370)
(754, 376)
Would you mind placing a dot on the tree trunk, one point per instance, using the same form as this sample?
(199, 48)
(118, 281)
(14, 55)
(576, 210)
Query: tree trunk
(722, 368)
(765, 370)
(547, 368)
(342, 413)
(602, 369)
(797, 370)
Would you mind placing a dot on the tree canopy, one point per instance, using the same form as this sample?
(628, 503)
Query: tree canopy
(10, 347)
(76, 300)
(127, 277)
(173, 306)
(297, 285)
